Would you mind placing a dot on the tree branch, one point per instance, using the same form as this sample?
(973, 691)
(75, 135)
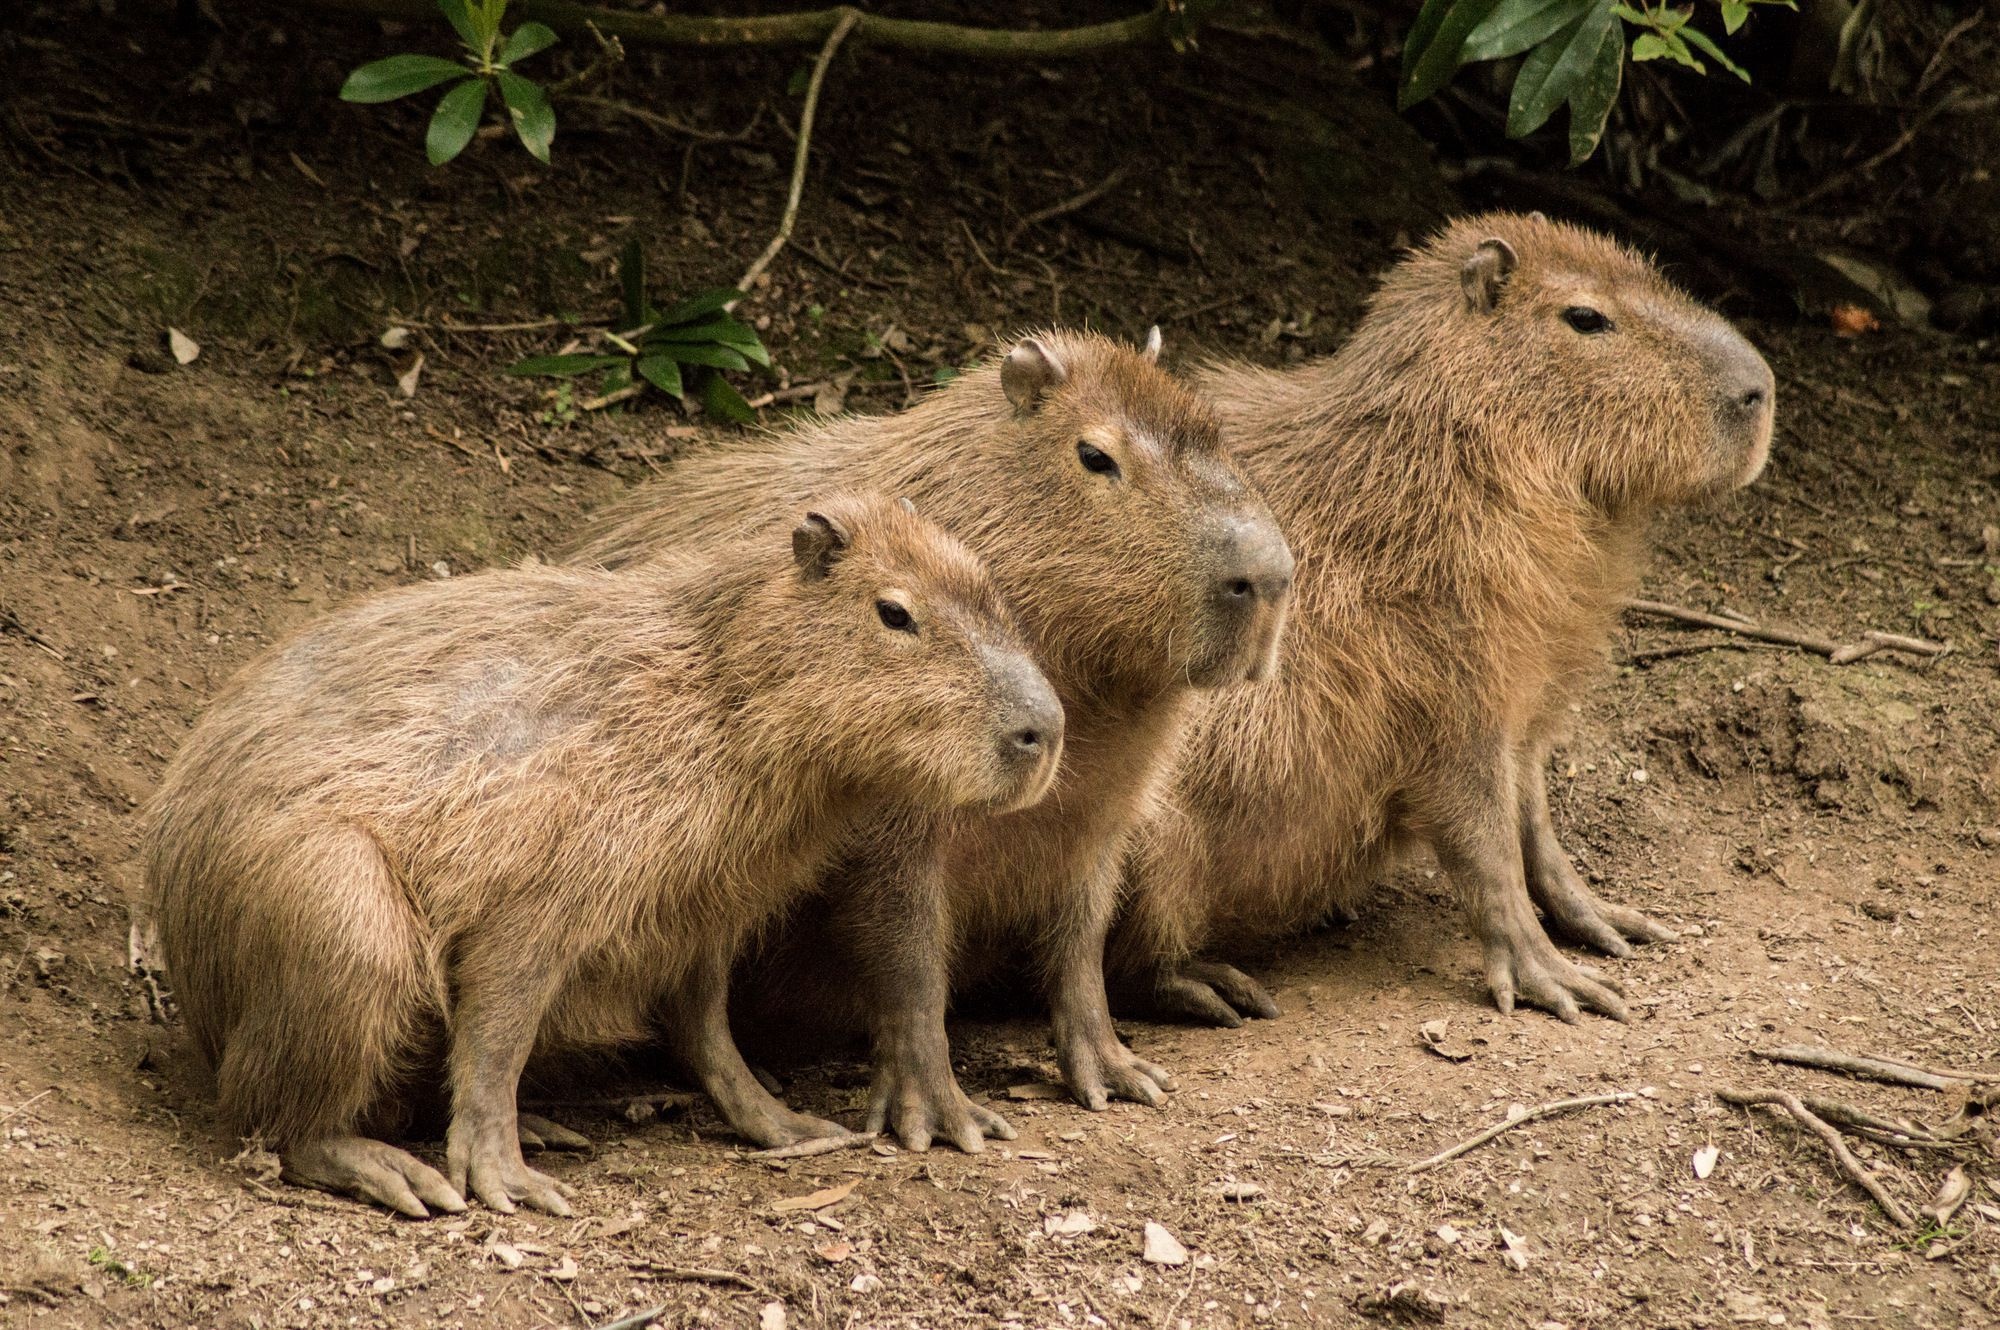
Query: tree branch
(847, 24)
(1167, 20)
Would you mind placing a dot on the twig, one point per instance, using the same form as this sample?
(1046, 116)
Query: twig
(1806, 1118)
(1068, 205)
(819, 1145)
(694, 1274)
(1951, 101)
(610, 53)
(26, 1104)
(669, 123)
(636, 1319)
(1539, 1111)
(1696, 648)
(10, 622)
(1893, 1070)
(612, 398)
(847, 24)
(1902, 1135)
(1835, 653)
(1167, 19)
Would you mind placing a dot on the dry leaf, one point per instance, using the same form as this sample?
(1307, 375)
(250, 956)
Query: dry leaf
(1852, 320)
(1448, 1235)
(565, 1268)
(833, 1253)
(1704, 1160)
(1431, 1034)
(1076, 1221)
(866, 1284)
(395, 339)
(184, 347)
(1239, 1191)
(772, 1317)
(407, 380)
(1036, 1090)
(1951, 1194)
(1162, 1247)
(818, 1200)
(505, 1252)
(1514, 1249)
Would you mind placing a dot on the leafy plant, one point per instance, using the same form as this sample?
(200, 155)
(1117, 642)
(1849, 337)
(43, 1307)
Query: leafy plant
(681, 350)
(488, 66)
(1572, 53)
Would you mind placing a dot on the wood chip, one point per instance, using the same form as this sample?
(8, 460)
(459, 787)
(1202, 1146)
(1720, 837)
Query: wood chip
(184, 347)
(1704, 1160)
(818, 1200)
(1162, 1247)
(1035, 1090)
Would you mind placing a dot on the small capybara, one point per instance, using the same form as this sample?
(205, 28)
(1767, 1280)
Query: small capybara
(1468, 484)
(1098, 490)
(536, 809)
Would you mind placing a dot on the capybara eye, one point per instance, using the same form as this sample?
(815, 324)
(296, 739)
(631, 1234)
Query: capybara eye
(1586, 320)
(1095, 460)
(895, 616)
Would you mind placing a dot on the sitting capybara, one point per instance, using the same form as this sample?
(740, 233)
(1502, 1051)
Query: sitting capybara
(1468, 484)
(535, 809)
(1098, 491)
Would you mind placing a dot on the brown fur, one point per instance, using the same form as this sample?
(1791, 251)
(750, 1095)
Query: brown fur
(524, 808)
(1468, 490)
(1115, 583)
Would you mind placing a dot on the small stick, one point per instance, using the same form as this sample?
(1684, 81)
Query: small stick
(833, 41)
(1893, 1070)
(1835, 653)
(668, 123)
(694, 1275)
(1068, 205)
(1540, 1111)
(1902, 1135)
(1806, 1118)
(26, 1105)
(819, 1145)
(636, 1319)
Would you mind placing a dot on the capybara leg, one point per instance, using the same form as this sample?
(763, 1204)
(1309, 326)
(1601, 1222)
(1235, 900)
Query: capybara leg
(538, 1133)
(371, 1171)
(698, 1029)
(1478, 842)
(502, 997)
(1095, 1063)
(898, 924)
(1570, 907)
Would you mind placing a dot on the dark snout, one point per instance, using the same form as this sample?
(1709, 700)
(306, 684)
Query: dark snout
(1745, 406)
(1029, 727)
(1251, 566)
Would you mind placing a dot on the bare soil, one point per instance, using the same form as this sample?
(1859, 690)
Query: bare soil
(1826, 838)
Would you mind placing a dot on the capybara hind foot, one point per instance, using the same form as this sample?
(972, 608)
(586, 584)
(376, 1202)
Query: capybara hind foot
(1576, 913)
(1521, 963)
(1098, 1070)
(488, 1163)
(372, 1171)
(538, 1133)
(1210, 993)
(772, 1125)
(921, 1108)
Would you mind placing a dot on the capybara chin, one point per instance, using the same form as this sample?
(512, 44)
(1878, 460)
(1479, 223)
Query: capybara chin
(1099, 491)
(536, 809)
(1468, 483)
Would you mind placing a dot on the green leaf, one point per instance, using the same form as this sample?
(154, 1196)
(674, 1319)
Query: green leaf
(707, 302)
(1516, 25)
(455, 121)
(801, 79)
(528, 39)
(1552, 69)
(528, 107)
(562, 367)
(1648, 46)
(1431, 53)
(1733, 14)
(721, 357)
(632, 282)
(723, 402)
(1703, 42)
(662, 373)
(1596, 92)
(399, 76)
(462, 23)
(619, 377)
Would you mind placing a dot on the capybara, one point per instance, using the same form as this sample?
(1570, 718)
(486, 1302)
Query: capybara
(1098, 491)
(1468, 483)
(535, 809)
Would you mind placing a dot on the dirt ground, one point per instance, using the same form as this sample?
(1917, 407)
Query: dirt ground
(1826, 838)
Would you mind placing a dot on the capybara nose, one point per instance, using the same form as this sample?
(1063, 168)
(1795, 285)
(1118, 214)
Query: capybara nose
(1032, 727)
(1261, 571)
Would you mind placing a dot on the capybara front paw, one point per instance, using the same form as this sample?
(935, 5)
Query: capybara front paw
(1228, 989)
(488, 1165)
(1534, 972)
(372, 1171)
(920, 1109)
(1101, 1070)
(538, 1133)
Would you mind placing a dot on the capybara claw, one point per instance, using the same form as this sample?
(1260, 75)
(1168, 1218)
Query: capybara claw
(1556, 985)
(1239, 990)
(538, 1133)
(372, 1171)
(920, 1114)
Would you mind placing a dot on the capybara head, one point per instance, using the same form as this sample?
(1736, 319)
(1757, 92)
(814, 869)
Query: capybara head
(912, 644)
(1137, 555)
(1566, 350)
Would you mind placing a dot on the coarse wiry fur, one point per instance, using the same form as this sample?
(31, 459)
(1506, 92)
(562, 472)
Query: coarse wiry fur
(1467, 491)
(1111, 580)
(553, 790)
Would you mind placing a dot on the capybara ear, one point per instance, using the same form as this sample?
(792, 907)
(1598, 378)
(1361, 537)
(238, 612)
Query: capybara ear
(1031, 371)
(1485, 273)
(817, 544)
(1151, 350)
(907, 506)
